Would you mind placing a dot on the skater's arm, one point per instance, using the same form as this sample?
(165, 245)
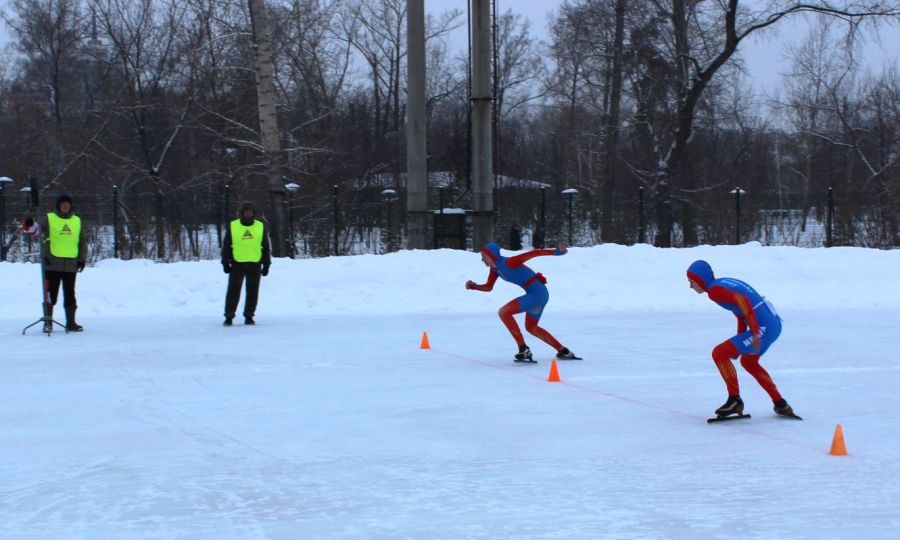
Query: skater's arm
(723, 295)
(742, 326)
(519, 260)
(486, 287)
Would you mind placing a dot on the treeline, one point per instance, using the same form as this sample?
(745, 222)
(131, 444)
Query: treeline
(634, 104)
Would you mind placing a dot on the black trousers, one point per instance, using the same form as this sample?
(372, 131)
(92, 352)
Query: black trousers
(68, 285)
(240, 271)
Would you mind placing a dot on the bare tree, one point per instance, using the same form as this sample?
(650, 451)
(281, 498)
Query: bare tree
(268, 122)
(48, 34)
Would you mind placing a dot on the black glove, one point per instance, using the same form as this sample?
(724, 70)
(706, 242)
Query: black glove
(80, 266)
(265, 270)
(226, 268)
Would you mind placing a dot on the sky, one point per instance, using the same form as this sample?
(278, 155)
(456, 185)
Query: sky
(328, 420)
(765, 57)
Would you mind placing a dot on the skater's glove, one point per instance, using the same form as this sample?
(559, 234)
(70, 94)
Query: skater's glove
(80, 266)
(28, 224)
(226, 268)
(470, 284)
(265, 270)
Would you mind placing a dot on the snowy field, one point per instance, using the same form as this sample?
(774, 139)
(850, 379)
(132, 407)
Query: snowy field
(326, 419)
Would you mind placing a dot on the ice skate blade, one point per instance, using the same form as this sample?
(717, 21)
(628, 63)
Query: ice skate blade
(727, 418)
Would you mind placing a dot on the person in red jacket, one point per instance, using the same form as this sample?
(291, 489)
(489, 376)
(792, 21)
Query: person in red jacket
(513, 270)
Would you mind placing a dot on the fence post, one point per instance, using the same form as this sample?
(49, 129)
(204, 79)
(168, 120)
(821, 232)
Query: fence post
(829, 222)
(115, 222)
(641, 234)
(543, 228)
(336, 221)
(439, 221)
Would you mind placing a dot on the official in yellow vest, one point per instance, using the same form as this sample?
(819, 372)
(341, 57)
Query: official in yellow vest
(246, 254)
(64, 250)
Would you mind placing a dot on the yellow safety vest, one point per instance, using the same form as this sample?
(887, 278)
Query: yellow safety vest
(64, 235)
(246, 242)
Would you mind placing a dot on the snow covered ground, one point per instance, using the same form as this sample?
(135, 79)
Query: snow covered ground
(326, 420)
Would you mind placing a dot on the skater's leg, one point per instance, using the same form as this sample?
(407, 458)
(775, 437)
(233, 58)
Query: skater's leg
(722, 356)
(531, 324)
(506, 315)
(750, 362)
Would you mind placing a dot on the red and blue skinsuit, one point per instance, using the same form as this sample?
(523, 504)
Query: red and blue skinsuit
(513, 270)
(755, 316)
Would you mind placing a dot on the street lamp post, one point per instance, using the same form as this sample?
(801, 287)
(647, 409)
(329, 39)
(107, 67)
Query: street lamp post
(389, 196)
(570, 193)
(4, 181)
(291, 188)
(737, 192)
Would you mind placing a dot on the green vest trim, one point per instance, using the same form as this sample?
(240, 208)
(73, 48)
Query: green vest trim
(246, 242)
(64, 235)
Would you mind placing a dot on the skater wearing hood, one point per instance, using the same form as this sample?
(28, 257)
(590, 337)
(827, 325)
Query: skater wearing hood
(64, 250)
(513, 270)
(758, 326)
(245, 255)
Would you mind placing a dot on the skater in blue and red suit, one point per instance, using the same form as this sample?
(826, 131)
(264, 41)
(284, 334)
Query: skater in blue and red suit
(758, 326)
(513, 270)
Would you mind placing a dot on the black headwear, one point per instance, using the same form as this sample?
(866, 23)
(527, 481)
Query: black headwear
(64, 198)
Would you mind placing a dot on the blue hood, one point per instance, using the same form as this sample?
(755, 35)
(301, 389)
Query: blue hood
(492, 250)
(701, 273)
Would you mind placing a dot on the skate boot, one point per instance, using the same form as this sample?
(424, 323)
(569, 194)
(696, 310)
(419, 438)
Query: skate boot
(566, 354)
(524, 354)
(782, 408)
(734, 405)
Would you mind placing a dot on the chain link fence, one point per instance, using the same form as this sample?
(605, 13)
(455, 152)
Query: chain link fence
(190, 224)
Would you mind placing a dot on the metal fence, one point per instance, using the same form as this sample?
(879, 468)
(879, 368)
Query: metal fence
(190, 224)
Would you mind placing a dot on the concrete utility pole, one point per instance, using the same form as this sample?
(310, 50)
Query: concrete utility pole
(482, 105)
(416, 147)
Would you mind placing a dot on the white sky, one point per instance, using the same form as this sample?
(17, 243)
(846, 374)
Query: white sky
(764, 56)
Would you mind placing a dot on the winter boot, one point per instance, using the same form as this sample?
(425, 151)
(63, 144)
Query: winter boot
(227, 321)
(48, 319)
(566, 354)
(524, 354)
(782, 408)
(71, 325)
(734, 405)
(249, 321)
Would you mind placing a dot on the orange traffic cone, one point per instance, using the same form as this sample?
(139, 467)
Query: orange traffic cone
(554, 373)
(837, 443)
(424, 344)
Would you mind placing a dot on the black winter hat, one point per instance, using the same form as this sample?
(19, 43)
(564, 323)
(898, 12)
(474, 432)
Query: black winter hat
(64, 198)
(247, 206)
